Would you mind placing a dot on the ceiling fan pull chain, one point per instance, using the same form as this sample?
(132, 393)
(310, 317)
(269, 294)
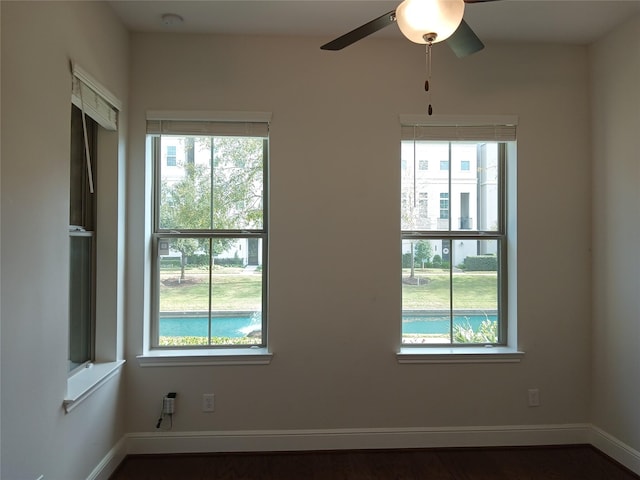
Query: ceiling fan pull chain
(427, 86)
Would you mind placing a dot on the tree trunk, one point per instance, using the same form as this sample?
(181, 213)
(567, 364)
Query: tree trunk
(413, 267)
(183, 262)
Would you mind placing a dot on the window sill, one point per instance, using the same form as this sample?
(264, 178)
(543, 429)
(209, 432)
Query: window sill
(204, 357)
(459, 355)
(82, 384)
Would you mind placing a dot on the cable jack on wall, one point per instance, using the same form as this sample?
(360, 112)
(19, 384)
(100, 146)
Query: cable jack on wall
(168, 409)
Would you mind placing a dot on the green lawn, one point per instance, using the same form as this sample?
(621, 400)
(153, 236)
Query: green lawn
(236, 290)
(231, 291)
(476, 290)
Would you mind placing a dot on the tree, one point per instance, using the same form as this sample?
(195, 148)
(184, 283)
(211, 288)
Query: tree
(224, 192)
(422, 251)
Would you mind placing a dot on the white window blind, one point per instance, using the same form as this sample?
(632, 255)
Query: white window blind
(94, 100)
(232, 124)
(481, 128)
(97, 102)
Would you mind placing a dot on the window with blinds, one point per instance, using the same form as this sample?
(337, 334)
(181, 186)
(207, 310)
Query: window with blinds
(454, 249)
(210, 230)
(92, 108)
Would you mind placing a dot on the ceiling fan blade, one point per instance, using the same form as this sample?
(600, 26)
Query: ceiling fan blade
(464, 41)
(362, 31)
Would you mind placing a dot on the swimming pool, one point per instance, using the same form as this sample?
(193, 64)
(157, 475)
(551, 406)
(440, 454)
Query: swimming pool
(439, 324)
(232, 326)
(242, 325)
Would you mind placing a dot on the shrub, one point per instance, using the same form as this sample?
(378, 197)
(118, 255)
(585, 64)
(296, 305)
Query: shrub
(171, 262)
(487, 332)
(484, 263)
(181, 341)
(229, 262)
(198, 260)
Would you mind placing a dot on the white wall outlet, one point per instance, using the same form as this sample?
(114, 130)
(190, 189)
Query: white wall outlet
(534, 397)
(208, 402)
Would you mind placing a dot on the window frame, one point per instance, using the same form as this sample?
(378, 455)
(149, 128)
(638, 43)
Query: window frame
(82, 224)
(101, 105)
(505, 346)
(158, 354)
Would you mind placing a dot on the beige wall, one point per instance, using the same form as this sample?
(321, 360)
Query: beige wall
(615, 76)
(334, 279)
(38, 42)
(335, 202)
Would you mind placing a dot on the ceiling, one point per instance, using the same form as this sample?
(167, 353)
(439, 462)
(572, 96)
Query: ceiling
(557, 21)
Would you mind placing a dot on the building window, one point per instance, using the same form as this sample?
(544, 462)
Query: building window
(210, 234)
(423, 164)
(465, 165)
(444, 165)
(82, 239)
(444, 206)
(454, 270)
(423, 204)
(171, 156)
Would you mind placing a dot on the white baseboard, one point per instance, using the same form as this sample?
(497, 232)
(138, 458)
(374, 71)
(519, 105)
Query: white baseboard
(619, 451)
(342, 439)
(365, 438)
(110, 461)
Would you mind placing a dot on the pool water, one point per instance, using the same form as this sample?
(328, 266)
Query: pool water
(233, 327)
(241, 326)
(438, 324)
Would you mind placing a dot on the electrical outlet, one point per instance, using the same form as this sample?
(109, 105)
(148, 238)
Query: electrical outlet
(534, 397)
(169, 404)
(208, 402)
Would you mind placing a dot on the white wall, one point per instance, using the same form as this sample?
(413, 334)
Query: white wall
(615, 102)
(38, 41)
(335, 201)
(335, 250)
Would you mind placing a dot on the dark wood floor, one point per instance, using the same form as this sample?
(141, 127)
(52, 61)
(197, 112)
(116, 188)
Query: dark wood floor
(579, 462)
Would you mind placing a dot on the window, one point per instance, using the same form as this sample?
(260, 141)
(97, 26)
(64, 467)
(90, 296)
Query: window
(96, 239)
(94, 115)
(444, 165)
(423, 164)
(82, 213)
(444, 206)
(171, 155)
(210, 234)
(465, 165)
(423, 204)
(454, 270)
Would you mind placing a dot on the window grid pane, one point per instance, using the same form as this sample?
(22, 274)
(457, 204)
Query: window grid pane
(211, 288)
(451, 280)
(80, 299)
(82, 220)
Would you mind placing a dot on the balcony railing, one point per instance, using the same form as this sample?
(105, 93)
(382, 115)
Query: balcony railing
(466, 223)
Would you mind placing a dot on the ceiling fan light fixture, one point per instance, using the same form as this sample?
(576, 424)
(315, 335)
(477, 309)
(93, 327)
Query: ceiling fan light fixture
(429, 21)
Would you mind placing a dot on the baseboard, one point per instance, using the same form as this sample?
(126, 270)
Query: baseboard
(365, 438)
(110, 461)
(342, 439)
(619, 451)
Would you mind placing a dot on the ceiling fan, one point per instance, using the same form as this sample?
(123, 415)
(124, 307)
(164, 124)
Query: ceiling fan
(422, 21)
